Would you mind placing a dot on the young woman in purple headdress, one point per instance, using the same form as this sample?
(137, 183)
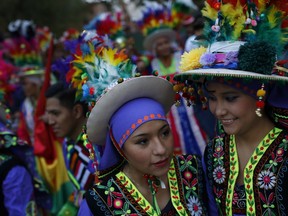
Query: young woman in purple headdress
(138, 173)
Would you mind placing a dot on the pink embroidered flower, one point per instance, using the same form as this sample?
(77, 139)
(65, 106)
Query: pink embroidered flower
(188, 175)
(219, 149)
(219, 174)
(280, 152)
(266, 180)
(118, 203)
(235, 198)
(194, 206)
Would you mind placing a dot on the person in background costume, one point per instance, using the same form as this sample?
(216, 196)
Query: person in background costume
(45, 160)
(67, 117)
(156, 25)
(246, 164)
(16, 182)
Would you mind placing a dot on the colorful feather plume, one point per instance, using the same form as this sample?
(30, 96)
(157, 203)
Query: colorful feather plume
(106, 24)
(44, 37)
(246, 20)
(94, 68)
(154, 16)
(182, 10)
(7, 70)
(243, 35)
(23, 52)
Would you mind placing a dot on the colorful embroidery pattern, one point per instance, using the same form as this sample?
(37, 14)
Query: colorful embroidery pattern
(263, 193)
(139, 198)
(139, 122)
(117, 195)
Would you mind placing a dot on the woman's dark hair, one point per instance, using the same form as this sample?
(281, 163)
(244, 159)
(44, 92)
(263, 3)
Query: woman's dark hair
(65, 95)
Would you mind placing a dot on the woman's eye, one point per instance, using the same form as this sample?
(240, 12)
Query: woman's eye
(142, 141)
(166, 133)
(211, 98)
(231, 98)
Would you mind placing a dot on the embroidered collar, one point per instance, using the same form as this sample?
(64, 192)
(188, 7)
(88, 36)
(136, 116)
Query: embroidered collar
(145, 205)
(248, 171)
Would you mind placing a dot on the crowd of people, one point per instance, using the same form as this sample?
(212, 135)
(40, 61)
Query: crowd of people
(192, 123)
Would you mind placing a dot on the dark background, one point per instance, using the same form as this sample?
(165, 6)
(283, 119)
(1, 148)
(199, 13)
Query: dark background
(58, 15)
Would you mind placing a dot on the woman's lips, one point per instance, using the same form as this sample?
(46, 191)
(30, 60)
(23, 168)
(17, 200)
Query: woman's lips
(161, 163)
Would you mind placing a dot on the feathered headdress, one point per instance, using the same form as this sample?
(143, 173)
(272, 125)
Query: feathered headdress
(182, 10)
(75, 47)
(106, 24)
(24, 48)
(96, 67)
(155, 21)
(245, 39)
(69, 34)
(7, 70)
(243, 35)
(44, 37)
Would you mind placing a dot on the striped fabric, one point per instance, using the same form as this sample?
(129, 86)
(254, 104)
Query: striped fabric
(78, 162)
(188, 137)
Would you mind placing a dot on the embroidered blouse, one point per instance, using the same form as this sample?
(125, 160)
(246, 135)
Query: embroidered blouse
(264, 191)
(117, 195)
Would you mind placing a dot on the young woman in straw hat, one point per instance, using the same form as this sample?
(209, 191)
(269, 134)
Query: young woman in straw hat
(246, 164)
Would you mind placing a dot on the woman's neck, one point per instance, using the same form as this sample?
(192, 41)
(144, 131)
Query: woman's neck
(256, 134)
(166, 60)
(139, 179)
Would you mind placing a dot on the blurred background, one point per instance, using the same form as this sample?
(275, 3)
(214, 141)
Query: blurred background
(60, 15)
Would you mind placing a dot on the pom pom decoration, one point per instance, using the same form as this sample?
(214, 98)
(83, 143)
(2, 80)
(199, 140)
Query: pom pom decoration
(245, 39)
(258, 57)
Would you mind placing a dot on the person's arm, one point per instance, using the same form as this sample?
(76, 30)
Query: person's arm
(84, 209)
(17, 191)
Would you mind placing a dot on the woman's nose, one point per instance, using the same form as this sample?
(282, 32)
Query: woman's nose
(159, 147)
(220, 109)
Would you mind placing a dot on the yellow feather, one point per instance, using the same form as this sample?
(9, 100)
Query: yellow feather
(235, 17)
(272, 17)
(261, 5)
(250, 31)
(209, 12)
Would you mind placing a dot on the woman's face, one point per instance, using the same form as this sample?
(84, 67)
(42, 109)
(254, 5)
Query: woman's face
(150, 148)
(234, 109)
(163, 46)
(31, 89)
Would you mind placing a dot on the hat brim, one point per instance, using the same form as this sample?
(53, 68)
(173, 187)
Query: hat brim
(153, 87)
(150, 39)
(199, 75)
(31, 73)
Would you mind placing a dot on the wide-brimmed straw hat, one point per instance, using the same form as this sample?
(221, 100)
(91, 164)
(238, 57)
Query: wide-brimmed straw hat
(245, 42)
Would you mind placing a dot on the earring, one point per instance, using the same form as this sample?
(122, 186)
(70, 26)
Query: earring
(203, 99)
(260, 102)
(177, 88)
